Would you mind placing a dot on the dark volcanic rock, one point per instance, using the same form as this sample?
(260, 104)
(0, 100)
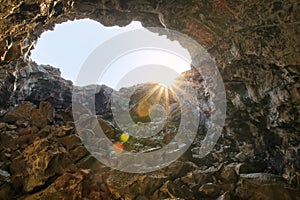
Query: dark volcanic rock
(101, 101)
(6, 87)
(36, 83)
(25, 81)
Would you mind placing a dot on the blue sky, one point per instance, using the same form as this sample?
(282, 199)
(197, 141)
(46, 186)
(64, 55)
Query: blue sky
(70, 43)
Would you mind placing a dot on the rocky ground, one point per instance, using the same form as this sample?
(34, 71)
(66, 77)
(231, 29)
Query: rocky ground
(42, 156)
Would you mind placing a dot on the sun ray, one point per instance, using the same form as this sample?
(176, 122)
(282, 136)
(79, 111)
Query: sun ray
(158, 96)
(167, 101)
(143, 105)
(159, 93)
(148, 94)
(173, 92)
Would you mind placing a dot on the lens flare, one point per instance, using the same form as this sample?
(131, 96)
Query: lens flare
(124, 137)
(156, 95)
(118, 147)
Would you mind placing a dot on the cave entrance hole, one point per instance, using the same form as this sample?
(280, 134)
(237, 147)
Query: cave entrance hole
(70, 43)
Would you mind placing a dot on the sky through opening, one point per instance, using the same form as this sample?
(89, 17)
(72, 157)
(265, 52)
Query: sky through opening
(70, 43)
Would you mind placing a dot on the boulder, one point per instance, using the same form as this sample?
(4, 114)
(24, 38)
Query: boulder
(21, 112)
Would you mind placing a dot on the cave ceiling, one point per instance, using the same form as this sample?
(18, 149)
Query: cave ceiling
(263, 31)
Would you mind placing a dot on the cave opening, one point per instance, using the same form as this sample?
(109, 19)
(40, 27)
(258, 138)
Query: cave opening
(70, 43)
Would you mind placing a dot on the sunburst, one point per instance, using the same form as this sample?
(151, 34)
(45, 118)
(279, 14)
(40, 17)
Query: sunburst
(162, 94)
(159, 94)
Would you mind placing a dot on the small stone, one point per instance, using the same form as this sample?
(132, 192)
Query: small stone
(225, 196)
(228, 174)
(8, 155)
(14, 134)
(179, 167)
(176, 191)
(188, 179)
(70, 124)
(201, 177)
(2, 125)
(86, 171)
(12, 127)
(68, 129)
(22, 123)
(209, 190)
(62, 149)
(4, 173)
(24, 131)
(60, 132)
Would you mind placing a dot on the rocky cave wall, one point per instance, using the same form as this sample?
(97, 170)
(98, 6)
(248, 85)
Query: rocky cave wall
(256, 47)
